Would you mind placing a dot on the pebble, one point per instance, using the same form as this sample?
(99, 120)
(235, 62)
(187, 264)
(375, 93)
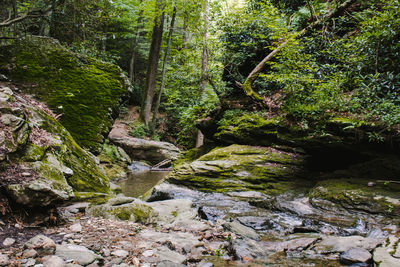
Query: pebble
(4, 260)
(8, 242)
(29, 253)
(42, 244)
(53, 261)
(120, 253)
(148, 253)
(31, 262)
(76, 228)
(26, 174)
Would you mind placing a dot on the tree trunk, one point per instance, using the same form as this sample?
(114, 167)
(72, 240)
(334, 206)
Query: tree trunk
(204, 66)
(247, 85)
(135, 44)
(157, 105)
(154, 57)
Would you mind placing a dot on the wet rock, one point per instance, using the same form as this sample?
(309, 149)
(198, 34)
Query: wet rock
(120, 253)
(4, 260)
(8, 242)
(211, 213)
(241, 230)
(42, 244)
(355, 255)
(30, 262)
(339, 244)
(77, 253)
(257, 223)
(245, 249)
(53, 261)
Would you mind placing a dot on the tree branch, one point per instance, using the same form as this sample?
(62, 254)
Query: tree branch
(247, 85)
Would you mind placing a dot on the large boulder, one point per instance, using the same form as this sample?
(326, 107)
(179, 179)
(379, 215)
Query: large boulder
(40, 161)
(241, 168)
(85, 92)
(148, 150)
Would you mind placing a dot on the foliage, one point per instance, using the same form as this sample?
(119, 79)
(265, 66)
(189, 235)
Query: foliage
(138, 130)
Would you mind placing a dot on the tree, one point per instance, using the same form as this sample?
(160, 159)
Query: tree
(152, 69)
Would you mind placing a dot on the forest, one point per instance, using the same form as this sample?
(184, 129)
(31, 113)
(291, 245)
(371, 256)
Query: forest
(199, 133)
(308, 59)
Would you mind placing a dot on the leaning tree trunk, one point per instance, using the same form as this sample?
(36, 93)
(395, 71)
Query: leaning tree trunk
(157, 105)
(204, 66)
(247, 85)
(154, 57)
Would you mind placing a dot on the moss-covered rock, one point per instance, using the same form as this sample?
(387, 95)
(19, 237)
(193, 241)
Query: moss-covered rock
(354, 194)
(87, 92)
(45, 164)
(241, 168)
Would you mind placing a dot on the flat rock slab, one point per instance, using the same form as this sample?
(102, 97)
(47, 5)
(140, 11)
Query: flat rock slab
(173, 210)
(355, 255)
(242, 230)
(384, 256)
(79, 254)
(177, 239)
(339, 244)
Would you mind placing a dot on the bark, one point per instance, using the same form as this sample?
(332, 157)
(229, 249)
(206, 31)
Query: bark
(135, 45)
(165, 61)
(15, 12)
(247, 85)
(204, 66)
(154, 57)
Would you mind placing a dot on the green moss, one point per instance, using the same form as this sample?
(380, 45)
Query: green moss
(34, 153)
(240, 168)
(356, 195)
(83, 89)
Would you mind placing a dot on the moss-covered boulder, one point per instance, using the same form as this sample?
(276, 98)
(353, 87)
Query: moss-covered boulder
(241, 168)
(84, 91)
(250, 128)
(40, 162)
(342, 195)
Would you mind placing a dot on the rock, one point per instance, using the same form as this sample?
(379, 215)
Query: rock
(242, 230)
(77, 85)
(8, 242)
(42, 244)
(141, 149)
(165, 254)
(384, 255)
(241, 168)
(167, 263)
(120, 253)
(124, 208)
(80, 254)
(53, 261)
(76, 228)
(355, 255)
(29, 262)
(179, 240)
(341, 195)
(174, 210)
(29, 253)
(4, 260)
(339, 244)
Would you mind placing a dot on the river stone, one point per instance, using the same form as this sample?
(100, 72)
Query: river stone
(179, 240)
(4, 260)
(242, 230)
(120, 253)
(355, 255)
(166, 263)
(8, 242)
(77, 228)
(165, 254)
(30, 262)
(77, 253)
(53, 261)
(338, 244)
(42, 244)
(173, 210)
